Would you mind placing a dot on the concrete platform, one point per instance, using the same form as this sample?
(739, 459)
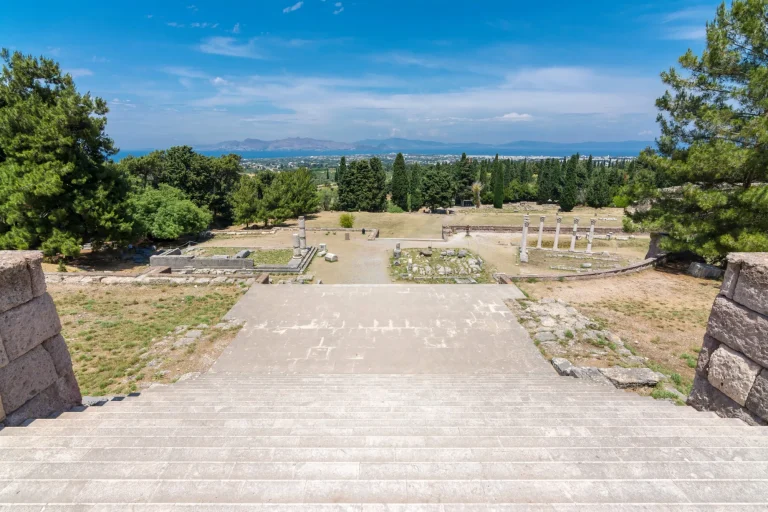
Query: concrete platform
(391, 329)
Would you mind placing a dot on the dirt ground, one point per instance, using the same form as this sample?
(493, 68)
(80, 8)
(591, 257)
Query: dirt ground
(662, 314)
(426, 225)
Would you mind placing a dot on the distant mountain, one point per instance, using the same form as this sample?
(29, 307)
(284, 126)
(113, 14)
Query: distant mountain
(406, 145)
(292, 144)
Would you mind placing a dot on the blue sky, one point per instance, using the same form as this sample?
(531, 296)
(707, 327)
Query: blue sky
(198, 71)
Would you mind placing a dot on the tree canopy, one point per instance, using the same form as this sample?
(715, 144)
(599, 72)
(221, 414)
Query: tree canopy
(400, 182)
(57, 186)
(166, 213)
(706, 186)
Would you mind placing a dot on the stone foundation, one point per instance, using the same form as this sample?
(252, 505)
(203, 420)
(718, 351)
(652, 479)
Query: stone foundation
(732, 372)
(36, 376)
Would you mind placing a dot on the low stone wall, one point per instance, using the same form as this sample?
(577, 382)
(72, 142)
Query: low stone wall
(184, 261)
(732, 372)
(631, 269)
(519, 229)
(84, 279)
(36, 377)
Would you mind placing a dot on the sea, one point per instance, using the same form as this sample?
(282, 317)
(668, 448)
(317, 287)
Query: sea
(596, 151)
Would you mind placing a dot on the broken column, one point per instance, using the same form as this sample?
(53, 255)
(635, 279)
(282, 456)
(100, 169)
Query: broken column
(302, 236)
(557, 233)
(523, 244)
(575, 231)
(36, 376)
(296, 246)
(541, 230)
(397, 251)
(591, 234)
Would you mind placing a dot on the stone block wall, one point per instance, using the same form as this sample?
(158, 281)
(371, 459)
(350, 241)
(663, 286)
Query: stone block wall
(36, 376)
(732, 372)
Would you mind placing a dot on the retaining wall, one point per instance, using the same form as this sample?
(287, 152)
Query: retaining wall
(732, 372)
(181, 262)
(36, 377)
(631, 269)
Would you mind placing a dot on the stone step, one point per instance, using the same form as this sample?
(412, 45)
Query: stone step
(379, 507)
(650, 491)
(506, 432)
(680, 470)
(468, 419)
(168, 438)
(535, 426)
(386, 454)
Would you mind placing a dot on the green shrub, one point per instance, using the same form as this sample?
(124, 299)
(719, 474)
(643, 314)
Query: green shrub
(393, 208)
(628, 225)
(347, 220)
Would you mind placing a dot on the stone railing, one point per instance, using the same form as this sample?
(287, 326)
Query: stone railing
(36, 377)
(732, 372)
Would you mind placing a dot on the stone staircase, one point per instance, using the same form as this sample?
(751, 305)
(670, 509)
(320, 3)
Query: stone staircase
(360, 442)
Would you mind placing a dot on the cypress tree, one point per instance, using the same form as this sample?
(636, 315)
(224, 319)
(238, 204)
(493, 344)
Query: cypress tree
(599, 192)
(342, 168)
(400, 182)
(498, 183)
(415, 195)
(570, 192)
(544, 183)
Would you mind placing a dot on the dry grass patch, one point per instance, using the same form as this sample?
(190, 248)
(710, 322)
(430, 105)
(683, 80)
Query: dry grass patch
(660, 314)
(119, 336)
(259, 256)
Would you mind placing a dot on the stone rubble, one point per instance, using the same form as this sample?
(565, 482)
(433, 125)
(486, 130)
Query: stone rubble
(560, 330)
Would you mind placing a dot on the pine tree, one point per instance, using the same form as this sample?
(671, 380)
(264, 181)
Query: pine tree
(498, 184)
(57, 187)
(544, 183)
(570, 192)
(341, 169)
(599, 192)
(709, 191)
(465, 177)
(400, 182)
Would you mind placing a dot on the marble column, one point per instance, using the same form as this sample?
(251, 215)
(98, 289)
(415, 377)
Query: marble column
(524, 243)
(302, 236)
(591, 234)
(557, 233)
(296, 246)
(541, 230)
(573, 236)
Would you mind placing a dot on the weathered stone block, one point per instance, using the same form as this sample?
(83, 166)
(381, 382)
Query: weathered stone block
(730, 279)
(752, 287)
(757, 402)
(705, 397)
(2, 411)
(732, 373)
(703, 271)
(42, 405)
(15, 280)
(562, 366)
(26, 377)
(625, 378)
(36, 274)
(59, 352)
(707, 349)
(740, 328)
(68, 390)
(27, 326)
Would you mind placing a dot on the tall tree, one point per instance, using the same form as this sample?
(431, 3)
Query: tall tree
(298, 191)
(465, 177)
(165, 213)
(415, 196)
(341, 169)
(713, 147)
(246, 200)
(57, 187)
(400, 182)
(545, 183)
(438, 187)
(498, 184)
(570, 192)
(599, 191)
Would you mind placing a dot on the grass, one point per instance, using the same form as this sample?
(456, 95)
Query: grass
(259, 256)
(659, 393)
(109, 329)
(690, 360)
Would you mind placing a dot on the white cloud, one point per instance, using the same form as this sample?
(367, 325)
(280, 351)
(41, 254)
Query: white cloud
(338, 11)
(230, 47)
(150, 16)
(338, 4)
(218, 81)
(175, 25)
(184, 72)
(514, 117)
(294, 7)
(689, 14)
(686, 33)
(645, 133)
(78, 72)
(192, 8)
(236, 28)
(99, 60)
